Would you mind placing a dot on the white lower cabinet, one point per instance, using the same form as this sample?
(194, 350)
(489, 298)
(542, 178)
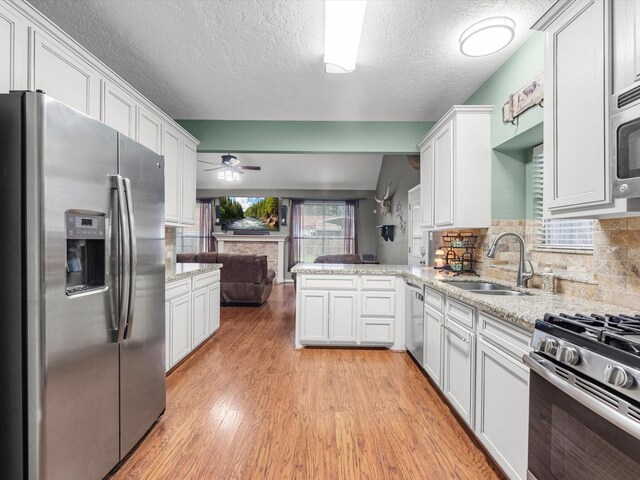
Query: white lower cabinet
(376, 331)
(313, 314)
(214, 305)
(502, 403)
(476, 360)
(192, 314)
(347, 310)
(180, 328)
(459, 368)
(433, 338)
(201, 313)
(343, 317)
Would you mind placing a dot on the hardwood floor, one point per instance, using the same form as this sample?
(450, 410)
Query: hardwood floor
(247, 405)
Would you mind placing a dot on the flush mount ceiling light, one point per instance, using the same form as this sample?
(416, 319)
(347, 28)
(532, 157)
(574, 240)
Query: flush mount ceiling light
(343, 21)
(487, 36)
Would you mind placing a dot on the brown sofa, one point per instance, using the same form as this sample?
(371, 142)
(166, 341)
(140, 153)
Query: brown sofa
(343, 258)
(243, 278)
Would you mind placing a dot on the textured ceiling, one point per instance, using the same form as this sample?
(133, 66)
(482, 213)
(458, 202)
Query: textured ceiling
(263, 59)
(299, 172)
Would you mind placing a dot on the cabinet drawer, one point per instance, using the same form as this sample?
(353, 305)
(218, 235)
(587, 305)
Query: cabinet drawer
(377, 332)
(434, 299)
(462, 313)
(504, 336)
(206, 279)
(378, 283)
(329, 282)
(381, 304)
(176, 289)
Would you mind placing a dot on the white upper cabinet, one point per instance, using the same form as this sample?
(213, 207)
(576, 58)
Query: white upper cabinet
(426, 184)
(443, 176)
(13, 60)
(189, 161)
(576, 108)
(64, 75)
(172, 148)
(37, 55)
(149, 129)
(455, 170)
(118, 109)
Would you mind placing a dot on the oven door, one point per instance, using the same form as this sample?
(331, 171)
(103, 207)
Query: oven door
(625, 152)
(578, 430)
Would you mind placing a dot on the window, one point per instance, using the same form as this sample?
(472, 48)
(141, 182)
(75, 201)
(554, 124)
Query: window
(322, 228)
(197, 238)
(556, 233)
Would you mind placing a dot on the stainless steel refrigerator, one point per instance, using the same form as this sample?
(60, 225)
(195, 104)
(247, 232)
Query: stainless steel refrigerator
(82, 292)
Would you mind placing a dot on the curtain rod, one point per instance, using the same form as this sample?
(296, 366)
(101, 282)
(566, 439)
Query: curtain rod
(325, 199)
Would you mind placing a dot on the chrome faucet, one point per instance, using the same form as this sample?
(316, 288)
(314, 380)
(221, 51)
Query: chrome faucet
(523, 277)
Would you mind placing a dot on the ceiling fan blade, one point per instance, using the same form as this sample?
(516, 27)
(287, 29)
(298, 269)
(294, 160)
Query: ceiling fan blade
(214, 168)
(250, 167)
(210, 163)
(237, 170)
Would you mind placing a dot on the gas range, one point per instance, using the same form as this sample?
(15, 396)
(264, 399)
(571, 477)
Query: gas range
(604, 348)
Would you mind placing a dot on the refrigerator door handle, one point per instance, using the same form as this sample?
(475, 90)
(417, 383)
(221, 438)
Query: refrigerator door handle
(133, 258)
(125, 258)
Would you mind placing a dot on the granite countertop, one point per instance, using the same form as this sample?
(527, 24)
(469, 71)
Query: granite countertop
(521, 310)
(180, 271)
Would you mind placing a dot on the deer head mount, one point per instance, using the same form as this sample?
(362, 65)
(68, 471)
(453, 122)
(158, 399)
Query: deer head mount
(385, 204)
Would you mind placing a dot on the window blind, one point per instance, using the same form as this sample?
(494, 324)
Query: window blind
(570, 234)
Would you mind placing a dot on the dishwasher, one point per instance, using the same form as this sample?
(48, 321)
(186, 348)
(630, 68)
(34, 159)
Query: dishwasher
(414, 322)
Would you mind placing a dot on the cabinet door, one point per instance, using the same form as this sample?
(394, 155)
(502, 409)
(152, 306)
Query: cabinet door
(576, 165)
(180, 328)
(65, 76)
(443, 175)
(378, 332)
(118, 109)
(13, 50)
(200, 327)
(343, 317)
(626, 47)
(415, 234)
(149, 129)
(502, 404)
(459, 369)
(314, 314)
(188, 183)
(214, 306)
(167, 335)
(426, 184)
(171, 147)
(433, 338)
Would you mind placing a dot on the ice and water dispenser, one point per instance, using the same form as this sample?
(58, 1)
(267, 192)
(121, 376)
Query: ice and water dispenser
(85, 252)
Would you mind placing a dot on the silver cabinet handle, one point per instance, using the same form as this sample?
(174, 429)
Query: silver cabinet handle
(419, 297)
(125, 258)
(133, 258)
(536, 363)
(450, 330)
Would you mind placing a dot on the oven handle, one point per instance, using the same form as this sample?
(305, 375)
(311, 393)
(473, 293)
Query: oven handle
(536, 363)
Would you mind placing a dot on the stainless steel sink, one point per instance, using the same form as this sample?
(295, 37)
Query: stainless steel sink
(485, 288)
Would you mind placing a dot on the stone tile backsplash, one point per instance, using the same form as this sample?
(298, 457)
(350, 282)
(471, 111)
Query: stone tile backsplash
(611, 273)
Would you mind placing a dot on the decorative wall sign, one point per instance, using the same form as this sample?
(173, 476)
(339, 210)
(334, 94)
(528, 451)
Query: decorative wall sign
(400, 215)
(528, 96)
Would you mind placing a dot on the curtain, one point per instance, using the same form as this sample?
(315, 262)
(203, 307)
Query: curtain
(295, 233)
(206, 240)
(350, 227)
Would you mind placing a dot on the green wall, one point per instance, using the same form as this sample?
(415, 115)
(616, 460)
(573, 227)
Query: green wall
(307, 137)
(512, 143)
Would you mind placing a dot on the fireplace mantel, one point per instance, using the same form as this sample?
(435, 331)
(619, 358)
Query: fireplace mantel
(223, 239)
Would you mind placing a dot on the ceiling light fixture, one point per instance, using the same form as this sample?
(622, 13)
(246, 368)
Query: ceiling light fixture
(343, 21)
(487, 36)
(228, 175)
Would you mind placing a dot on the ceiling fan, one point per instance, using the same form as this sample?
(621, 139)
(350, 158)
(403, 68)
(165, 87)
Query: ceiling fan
(229, 164)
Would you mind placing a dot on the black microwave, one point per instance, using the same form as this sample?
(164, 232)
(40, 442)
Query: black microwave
(625, 152)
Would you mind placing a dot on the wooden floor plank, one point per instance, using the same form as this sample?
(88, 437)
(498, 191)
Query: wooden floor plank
(247, 405)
